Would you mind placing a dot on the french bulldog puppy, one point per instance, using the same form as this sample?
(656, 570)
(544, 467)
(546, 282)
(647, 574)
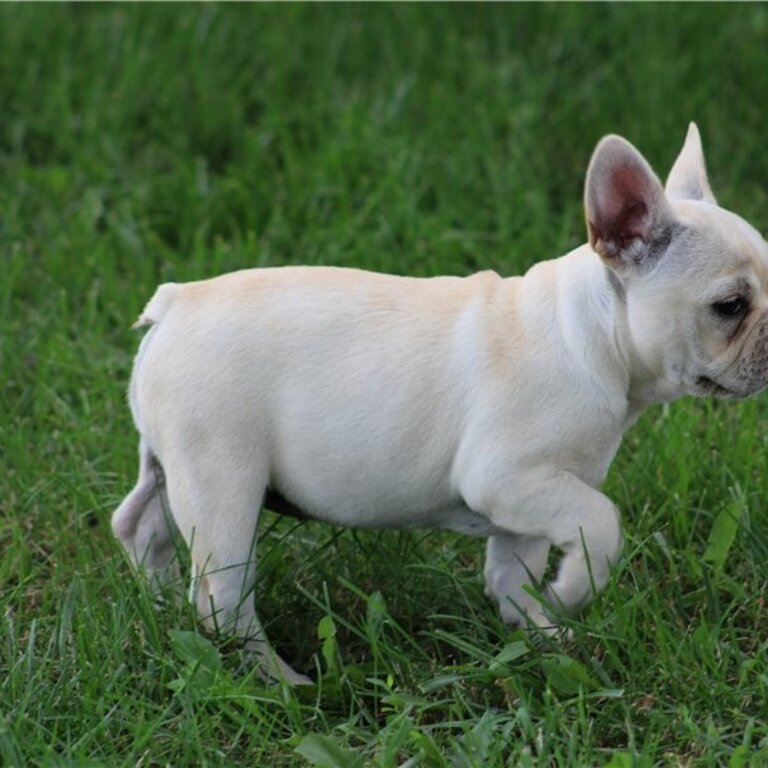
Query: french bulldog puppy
(485, 405)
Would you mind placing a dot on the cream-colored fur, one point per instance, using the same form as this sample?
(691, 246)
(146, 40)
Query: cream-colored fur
(489, 406)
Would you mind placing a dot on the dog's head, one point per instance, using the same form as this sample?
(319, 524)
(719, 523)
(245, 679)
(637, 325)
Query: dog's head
(693, 277)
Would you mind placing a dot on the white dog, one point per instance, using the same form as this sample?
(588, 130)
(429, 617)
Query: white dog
(488, 406)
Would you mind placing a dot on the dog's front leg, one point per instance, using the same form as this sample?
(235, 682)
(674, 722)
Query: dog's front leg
(569, 514)
(514, 565)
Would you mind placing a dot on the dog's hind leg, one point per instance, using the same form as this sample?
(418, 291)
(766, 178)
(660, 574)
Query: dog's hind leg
(216, 506)
(143, 525)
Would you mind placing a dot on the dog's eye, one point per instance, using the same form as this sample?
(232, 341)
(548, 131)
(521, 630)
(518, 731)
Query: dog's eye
(731, 308)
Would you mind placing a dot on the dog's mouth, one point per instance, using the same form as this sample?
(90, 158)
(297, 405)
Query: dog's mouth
(711, 387)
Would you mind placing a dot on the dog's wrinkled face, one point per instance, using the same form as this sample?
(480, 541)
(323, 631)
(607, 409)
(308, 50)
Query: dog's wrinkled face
(694, 277)
(724, 307)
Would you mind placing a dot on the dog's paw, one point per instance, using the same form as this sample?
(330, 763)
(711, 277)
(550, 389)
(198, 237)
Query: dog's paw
(271, 669)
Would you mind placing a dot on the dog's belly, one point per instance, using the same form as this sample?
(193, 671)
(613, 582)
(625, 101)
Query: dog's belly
(459, 517)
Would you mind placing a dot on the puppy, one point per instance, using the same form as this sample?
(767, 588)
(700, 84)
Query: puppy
(489, 406)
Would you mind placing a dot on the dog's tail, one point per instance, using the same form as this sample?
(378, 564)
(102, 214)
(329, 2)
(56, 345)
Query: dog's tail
(158, 305)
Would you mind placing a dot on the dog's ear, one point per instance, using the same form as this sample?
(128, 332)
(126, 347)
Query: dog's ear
(628, 217)
(688, 178)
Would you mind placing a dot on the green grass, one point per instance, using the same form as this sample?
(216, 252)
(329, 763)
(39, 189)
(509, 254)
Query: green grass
(140, 144)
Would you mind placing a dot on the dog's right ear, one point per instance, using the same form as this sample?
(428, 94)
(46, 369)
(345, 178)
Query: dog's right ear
(628, 217)
(688, 178)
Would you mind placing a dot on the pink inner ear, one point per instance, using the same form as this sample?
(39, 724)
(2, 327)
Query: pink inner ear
(624, 215)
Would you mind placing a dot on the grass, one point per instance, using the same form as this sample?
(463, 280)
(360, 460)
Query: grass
(140, 144)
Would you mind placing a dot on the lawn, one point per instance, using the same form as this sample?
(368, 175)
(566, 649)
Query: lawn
(141, 144)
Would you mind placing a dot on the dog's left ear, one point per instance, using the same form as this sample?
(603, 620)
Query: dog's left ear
(629, 219)
(688, 178)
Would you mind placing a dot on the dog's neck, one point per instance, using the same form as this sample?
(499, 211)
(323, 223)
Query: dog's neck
(593, 307)
(645, 387)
